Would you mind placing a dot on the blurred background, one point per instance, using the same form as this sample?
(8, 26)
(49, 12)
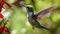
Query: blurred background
(18, 21)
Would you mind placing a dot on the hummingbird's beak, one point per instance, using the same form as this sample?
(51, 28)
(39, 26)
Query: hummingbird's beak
(23, 4)
(26, 5)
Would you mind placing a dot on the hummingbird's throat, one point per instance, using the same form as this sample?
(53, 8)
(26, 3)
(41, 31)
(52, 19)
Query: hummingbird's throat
(30, 14)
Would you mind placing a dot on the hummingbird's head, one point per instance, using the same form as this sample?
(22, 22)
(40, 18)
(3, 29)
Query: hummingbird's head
(30, 9)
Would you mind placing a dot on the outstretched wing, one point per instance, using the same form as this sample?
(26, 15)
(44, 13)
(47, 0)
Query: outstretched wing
(43, 13)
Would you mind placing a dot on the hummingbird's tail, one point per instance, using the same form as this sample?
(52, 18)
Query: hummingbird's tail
(43, 27)
(38, 25)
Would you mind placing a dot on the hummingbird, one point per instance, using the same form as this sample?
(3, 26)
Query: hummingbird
(33, 18)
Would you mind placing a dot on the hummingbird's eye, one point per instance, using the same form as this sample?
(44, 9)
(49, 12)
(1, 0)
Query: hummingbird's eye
(30, 8)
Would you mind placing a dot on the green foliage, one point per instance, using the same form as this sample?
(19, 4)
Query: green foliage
(18, 21)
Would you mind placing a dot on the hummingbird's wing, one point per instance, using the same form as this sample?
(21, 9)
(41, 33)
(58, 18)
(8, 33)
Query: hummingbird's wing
(43, 13)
